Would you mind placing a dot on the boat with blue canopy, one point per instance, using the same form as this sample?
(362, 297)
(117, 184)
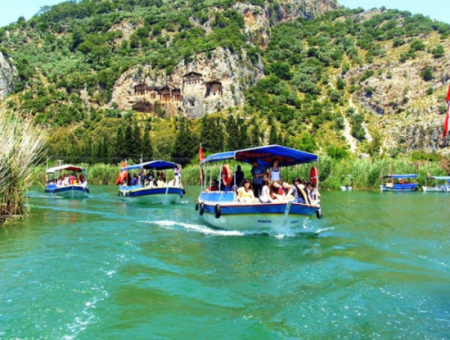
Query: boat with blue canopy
(223, 210)
(67, 181)
(399, 183)
(441, 184)
(147, 187)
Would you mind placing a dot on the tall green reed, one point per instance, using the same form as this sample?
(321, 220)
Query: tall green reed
(22, 148)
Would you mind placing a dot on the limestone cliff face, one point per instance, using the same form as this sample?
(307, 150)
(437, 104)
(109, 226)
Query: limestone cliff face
(202, 86)
(7, 73)
(258, 20)
(408, 110)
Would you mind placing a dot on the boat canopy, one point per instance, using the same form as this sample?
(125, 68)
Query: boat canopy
(157, 165)
(401, 176)
(66, 167)
(440, 178)
(265, 155)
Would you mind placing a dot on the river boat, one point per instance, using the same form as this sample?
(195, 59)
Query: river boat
(399, 183)
(348, 186)
(67, 181)
(441, 184)
(222, 210)
(149, 194)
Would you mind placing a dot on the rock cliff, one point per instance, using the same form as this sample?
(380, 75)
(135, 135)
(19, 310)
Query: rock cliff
(7, 73)
(202, 86)
(408, 110)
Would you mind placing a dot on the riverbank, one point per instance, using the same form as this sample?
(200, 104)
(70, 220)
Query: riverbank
(365, 174)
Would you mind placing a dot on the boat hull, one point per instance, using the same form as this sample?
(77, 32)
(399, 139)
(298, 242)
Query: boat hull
(72, 191)
(397, 188)
(441, 188)
(346, 188)
(257, 218)
(164, 195)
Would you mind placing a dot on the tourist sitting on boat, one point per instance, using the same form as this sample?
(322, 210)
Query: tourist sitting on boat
(302, 193)
(177, 174)
(214, 186)
(265, 192)
(314, 193)
(258, 173)
(59, 182)
(65, 181)
(290, 191)
(275, 171)
(276, 192)
(245, 193)
(238, 176)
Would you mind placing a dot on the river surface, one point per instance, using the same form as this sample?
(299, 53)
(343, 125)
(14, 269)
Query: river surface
(98, 268)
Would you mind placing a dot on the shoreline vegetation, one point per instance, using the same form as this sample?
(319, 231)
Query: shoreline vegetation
(22, 149)
(365, 174)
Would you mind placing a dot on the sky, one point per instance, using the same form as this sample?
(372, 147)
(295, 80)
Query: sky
(11, 10)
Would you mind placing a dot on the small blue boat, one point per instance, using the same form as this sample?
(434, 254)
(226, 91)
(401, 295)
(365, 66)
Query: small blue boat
(67, 181)
(399, 183)
(147, 192)
(221, 209)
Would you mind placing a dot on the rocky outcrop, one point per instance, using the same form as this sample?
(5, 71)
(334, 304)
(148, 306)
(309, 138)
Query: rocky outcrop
(202, 86)
(409, 110)
(258, 20)
(7, 73)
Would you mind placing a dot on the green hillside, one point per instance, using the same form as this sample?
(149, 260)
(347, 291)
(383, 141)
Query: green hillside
(319, 75)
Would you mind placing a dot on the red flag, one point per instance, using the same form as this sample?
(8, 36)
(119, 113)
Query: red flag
(446, 121)
(448, 95)
(122, 174)
(201, 157)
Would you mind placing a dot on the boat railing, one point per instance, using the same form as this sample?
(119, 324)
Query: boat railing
(218, 196)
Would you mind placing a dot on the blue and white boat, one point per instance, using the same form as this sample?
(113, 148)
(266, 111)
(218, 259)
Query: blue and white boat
(141, 193)
(399, 183)
(443, 187)
(221, 209)
(67, 181)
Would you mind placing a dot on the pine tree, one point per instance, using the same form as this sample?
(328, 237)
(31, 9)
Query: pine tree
(128, 142)
(119, 147)
(146, 145)
(233, 134)
(273, 138)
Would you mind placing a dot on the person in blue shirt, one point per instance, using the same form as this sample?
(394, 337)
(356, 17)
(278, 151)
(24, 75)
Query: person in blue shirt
(258, 173)
(134, 181)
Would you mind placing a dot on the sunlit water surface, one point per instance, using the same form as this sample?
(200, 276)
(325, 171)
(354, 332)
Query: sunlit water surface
(98, 268)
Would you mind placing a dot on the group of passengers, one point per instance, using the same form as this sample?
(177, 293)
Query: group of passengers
(66, 180)
(152, 180)
(269, 186)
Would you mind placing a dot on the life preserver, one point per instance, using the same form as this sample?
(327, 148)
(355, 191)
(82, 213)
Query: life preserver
(202, 209)
(217, 211)
(227, 176)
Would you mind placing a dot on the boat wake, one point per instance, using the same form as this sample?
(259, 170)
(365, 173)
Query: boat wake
(305, 231)
(196, 228)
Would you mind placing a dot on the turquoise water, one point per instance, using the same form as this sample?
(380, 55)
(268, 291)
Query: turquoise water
(101, 269)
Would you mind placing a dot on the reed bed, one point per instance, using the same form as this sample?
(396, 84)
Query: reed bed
(365, 174)
(22, 148)
(362, 174)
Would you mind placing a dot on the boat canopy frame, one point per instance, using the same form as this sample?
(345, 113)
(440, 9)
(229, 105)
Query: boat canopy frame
(66, 167)
(152, 165)
(401, 176)
(265, 155)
